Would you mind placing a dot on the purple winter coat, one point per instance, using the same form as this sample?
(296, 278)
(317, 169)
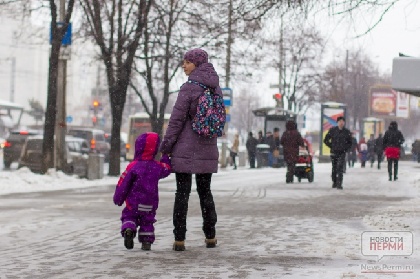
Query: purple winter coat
(139, 182)
(291, 140)
(191, 153)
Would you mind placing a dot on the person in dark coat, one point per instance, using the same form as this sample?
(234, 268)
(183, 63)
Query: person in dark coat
(352, 153)
(339, 140)
(274, 142)
(251, 147)
(371, 150)
(261, 138)
(190, 152)
(415, 150)
(291, 140)
(363, 152)
(393, 139)
(379, 149)
(138, 188)
(268, 140)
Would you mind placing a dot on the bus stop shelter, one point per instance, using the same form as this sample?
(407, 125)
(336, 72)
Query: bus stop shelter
(274, 117)
(10, 116)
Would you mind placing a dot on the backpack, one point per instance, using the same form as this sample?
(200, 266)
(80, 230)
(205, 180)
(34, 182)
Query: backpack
(210, 118)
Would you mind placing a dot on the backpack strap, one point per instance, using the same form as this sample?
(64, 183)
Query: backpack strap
(201, 85)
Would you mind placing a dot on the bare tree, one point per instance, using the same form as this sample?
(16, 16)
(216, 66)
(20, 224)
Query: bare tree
(37, 111)
(170, 31)
(50, 113)
(116, 27)
(348, 82)
(242, 110)
(302, 61)
(25, 8)
(296, 52)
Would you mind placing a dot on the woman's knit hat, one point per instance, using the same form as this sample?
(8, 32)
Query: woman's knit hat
(197, 56)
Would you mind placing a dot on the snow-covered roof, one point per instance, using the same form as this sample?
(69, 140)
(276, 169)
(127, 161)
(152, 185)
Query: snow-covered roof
(10, 105)
(333, 104)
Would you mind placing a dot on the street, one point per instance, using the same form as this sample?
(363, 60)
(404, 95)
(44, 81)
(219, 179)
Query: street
(265, 229)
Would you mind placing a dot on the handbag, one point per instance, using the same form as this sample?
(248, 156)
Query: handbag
(276, 153)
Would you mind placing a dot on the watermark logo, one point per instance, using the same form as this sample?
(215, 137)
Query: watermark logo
(386, 268)
(387, 243)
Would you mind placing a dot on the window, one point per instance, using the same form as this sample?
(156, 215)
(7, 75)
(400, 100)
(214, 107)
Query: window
(99, 137)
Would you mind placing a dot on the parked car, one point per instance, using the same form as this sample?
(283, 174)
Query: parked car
(123, 146)
(96, 139)
(76, 155)
(12, 147)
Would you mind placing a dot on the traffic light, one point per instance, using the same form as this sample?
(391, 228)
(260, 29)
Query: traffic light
(94, 120)
(277, 97)
(96, 107)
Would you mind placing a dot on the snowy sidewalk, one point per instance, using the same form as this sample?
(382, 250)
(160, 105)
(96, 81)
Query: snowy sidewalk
(266, 228)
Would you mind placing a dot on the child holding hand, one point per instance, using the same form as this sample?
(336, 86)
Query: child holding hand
(138, 188)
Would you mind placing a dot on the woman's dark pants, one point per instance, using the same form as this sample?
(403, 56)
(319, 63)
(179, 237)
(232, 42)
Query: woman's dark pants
(390, 162)
(182, 195)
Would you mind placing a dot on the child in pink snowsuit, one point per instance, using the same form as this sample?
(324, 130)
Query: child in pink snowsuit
(138, 187)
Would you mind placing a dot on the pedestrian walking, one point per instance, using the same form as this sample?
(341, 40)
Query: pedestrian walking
(393, 139)
(371, 150)
(274, 143)
(415, 150)
(379, 149)
(234, 149)
(363, 152)
(352, 153)
(268, 140)
(339, 140)
(190, 152)
(251, 147)
(138, 188)
(291, 140)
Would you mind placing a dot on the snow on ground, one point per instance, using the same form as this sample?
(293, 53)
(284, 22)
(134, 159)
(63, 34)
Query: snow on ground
(294, 231)
(23, 181)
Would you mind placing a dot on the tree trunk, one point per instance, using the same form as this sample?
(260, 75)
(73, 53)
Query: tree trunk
(114, 153)
(50, 112)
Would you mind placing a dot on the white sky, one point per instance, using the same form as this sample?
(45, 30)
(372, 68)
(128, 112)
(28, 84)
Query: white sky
(399, 31)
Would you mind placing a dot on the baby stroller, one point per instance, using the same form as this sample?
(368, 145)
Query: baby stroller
(304, 167)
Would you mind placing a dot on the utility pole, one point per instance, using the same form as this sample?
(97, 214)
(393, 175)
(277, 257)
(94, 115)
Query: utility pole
(228, 58)
(281, 87)
(12, 79)
(60, 128)
(13, 69)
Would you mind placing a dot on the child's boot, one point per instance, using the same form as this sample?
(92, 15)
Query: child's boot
(146, 246)
(211, 243)
(128, 239)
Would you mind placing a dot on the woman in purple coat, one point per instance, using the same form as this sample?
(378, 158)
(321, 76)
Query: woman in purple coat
(138, 188)
(291, 140)
(191, 153)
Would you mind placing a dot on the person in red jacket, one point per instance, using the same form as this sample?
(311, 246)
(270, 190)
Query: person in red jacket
(291, 140)
(393, 139)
